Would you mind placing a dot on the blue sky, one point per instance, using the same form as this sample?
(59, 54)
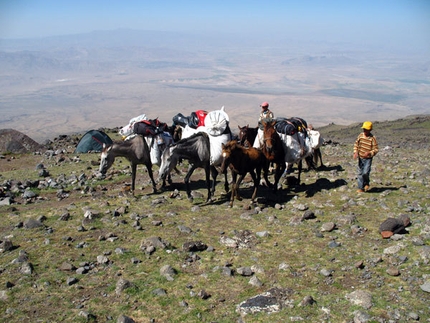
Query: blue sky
(402, 20)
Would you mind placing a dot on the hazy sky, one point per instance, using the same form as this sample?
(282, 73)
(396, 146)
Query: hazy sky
(362, 20)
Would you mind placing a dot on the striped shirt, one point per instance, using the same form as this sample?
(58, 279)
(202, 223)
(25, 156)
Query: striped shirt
(365, 144)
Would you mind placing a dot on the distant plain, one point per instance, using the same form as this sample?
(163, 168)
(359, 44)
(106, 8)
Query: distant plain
(70, 84)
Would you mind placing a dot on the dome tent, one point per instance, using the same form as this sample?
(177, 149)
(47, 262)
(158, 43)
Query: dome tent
(93, 140)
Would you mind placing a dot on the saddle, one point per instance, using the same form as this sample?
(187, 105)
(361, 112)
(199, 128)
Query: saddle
(149, 127)
(290, 126)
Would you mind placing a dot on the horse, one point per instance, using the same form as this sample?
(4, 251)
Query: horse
(195, 149)
(247, 135)
(273, 149)
(296, 147)
(241, 161)
(135, 150)
(316, 142)
(218, 129)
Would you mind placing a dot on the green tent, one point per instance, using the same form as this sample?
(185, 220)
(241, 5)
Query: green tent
(93, 141)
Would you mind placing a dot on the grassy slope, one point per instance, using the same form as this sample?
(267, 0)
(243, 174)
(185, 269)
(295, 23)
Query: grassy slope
(400, 182)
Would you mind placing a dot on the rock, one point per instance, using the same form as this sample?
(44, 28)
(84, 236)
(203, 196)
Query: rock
(269, 302)
(203, 294)
(124, 319)
(6, 245)
(254, 281)
(71, 281)
(361, 298)
(328, 227)
(393, 271)
(184, 229)
(307, 300)
(361, 317)
(33, 224)
(245, 271)
(308, 214)
(391, 250)
(193, 246)
(426, 286)
(159, 292)
(168, 271)
(121, 285)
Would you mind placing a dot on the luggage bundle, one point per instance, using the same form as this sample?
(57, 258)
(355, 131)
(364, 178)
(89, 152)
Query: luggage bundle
(290, 126)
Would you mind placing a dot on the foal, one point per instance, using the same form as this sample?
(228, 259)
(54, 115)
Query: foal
(241, 161)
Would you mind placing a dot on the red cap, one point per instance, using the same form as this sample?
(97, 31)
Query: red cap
(264, 105)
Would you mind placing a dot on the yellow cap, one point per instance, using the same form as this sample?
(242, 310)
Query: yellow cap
(367, 125)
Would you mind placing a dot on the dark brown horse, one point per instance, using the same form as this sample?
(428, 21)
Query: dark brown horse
(241, 161)
(273, 149)
(135, 150)
(247, 135)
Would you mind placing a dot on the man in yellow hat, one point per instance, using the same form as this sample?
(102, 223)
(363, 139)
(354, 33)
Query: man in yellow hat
(365, 147)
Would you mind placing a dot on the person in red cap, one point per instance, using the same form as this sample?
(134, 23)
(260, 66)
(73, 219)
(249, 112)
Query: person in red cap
(264, 114)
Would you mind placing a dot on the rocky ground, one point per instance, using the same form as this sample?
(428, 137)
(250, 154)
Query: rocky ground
(76, 247)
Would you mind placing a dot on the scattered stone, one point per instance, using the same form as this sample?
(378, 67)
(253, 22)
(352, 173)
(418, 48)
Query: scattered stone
(270, 302)
(193, 246)
(426, 286)
(71, 281)
(6, 245)
(124, 319)
(328, 227)
(121, 285)
(33, 224)
(168, 272)
(245, 271)
(307, 300)
(26, 268)
(254, 281)
(361, 298)
(308, 215)
(159, 292)
(203, 294)
(393, 271)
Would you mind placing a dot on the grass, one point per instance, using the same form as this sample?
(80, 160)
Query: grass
(400, 185)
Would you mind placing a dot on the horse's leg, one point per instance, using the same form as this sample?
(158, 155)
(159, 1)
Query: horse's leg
(256, 178)
(300, 167)
(280, 168)
(151, 176)
(319, 155)
(226, 181)
(133, 176)
(187, 182)
(266, 174)
(233, 187)
(208, 181)
(214, 173)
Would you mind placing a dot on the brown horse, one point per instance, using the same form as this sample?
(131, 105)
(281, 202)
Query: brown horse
(135, 150)
(241, 161)
(247, 135)
(273, 149)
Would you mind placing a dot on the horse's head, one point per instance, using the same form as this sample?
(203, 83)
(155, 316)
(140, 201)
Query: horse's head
(243, 135)
(270, 136)
(226, 151)
(167, 163)
(106, 159)
(177, 133)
